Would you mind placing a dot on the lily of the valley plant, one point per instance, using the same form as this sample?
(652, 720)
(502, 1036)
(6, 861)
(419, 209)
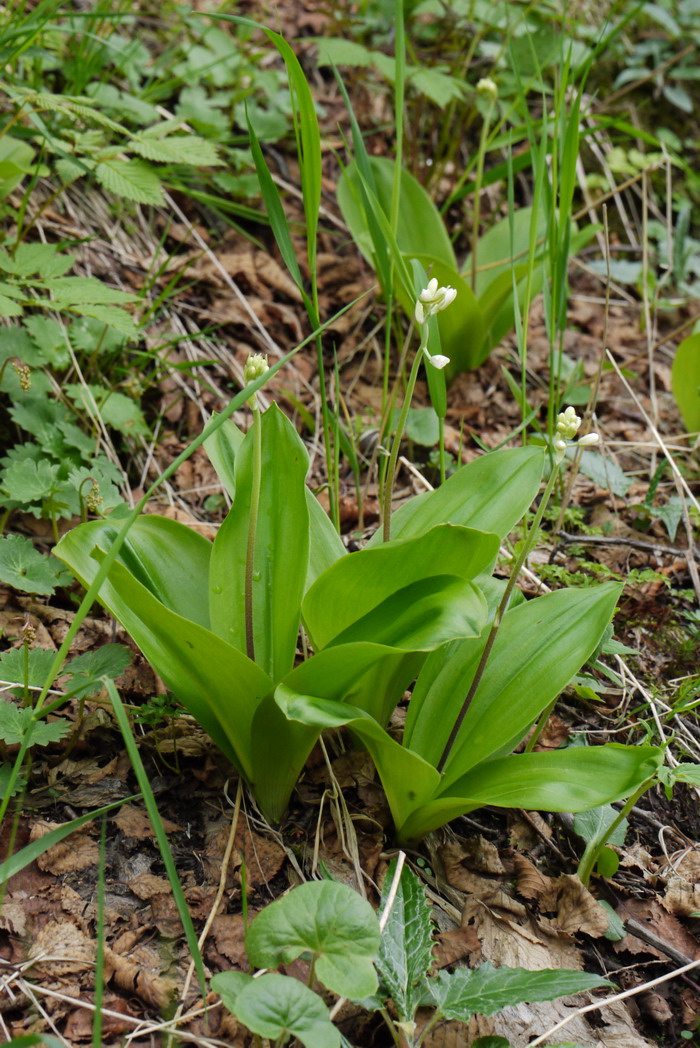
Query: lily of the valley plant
(219, 621)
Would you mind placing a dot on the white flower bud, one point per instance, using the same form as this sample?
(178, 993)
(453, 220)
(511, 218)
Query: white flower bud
(568, 423)
(438, 361)
(433, 299)
(487, 87)
(588, 440)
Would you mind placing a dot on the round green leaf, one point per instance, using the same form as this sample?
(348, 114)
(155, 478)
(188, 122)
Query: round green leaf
(277, 1005)
(329, 920)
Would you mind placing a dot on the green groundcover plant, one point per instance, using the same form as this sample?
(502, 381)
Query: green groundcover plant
(372, 960)
(220, 623)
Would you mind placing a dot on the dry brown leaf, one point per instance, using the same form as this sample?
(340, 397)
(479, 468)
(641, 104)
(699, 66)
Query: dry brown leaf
(148, 885)
(134, 822)
(662, 923)
(612, 1027)
(140, 974)
(61, 948)
(531, 884)
(577, 910)
(13, 916)
(454, 944)
(683, 885)
(226, 938)
(76, 852)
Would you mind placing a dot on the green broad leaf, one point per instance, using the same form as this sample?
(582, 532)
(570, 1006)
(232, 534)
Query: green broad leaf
(8, 307)
(131, 179)
(166, 557)
(6, 779)
(112, 316)
(325, 544)
(279, 1007)
(228, 985)
(689, 773)
(540, 645)
(85, 672)
(593, 825)
(14, 671)
(48, 336)
(409, 782)
(370, 577)
(490, 494)
(40, 258)
(177, 149)
(281, 547)
(421, 230)
(406, 950)
(421, 615)
(337, 51)
(440, 87)
(17, 725)
(31, 1039)
(670, 514)
(685, 382)
(116, 409)
(87, 291)
(27, 570)
(606, 473)
(460, 994)
(16, 156)
(26, 481)
(371, 676)
(328, 920)
(564, 780)
(616, 929)
(219, 685)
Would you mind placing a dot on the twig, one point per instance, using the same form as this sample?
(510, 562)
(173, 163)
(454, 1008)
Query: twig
(640, 931)
(616, 540)
(596, 1005)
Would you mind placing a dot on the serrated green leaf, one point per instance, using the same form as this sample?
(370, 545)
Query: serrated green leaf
(131, 179)
(405, 953)
(9, 308)
(84, 671)
(88, 291)
(116, 409)
(460, 994)
(47, 335)
(177, 149)
(29, 481)
(13, 669)
(327, 919)
(278, 1007)
(25, 568)
(16, 724)
(113, 316)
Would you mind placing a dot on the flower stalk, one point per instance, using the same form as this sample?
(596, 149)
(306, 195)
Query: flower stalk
(255, 367)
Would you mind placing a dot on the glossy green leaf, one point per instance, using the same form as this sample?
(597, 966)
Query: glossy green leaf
(491, 494)
(369, 577)
(540, 646)
(325, 544)
(168, 558)
(281, 548)
(279, 1007)
(460, 994)
(406, 951)
(420, 616)
(219, 685)
(228, 985)
(327, 919)
(409, 782)
(564, 780)
(421, 230)
(685, 382)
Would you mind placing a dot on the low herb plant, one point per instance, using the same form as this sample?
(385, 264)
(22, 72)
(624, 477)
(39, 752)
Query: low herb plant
(220, 624)
(384, 964)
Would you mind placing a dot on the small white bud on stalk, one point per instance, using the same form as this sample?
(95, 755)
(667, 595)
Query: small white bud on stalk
(433, 299)
(487, 87)
(588, 440)
(255, 366)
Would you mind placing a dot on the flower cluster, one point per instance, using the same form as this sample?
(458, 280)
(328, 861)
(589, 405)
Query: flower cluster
(255, 366)
(433, 299)
(568, 423)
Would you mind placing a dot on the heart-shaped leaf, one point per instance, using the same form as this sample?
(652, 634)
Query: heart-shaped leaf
(277, 1006)
(328, 920)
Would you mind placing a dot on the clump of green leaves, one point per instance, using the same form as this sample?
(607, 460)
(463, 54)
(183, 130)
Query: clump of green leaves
(384, 967)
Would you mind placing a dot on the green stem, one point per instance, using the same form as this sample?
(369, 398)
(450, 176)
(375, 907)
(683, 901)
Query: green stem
(594, 847)
(27, 699)
(394, 455)
(483, 138)
(500, 612)
(540, 726)
(391, 1027)
(252, 529)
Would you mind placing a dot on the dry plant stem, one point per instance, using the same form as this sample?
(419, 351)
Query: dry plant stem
(252, 529)
(219, 893)
(500, 612)
(596, 1005)
(394, 455)
(680, 481)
